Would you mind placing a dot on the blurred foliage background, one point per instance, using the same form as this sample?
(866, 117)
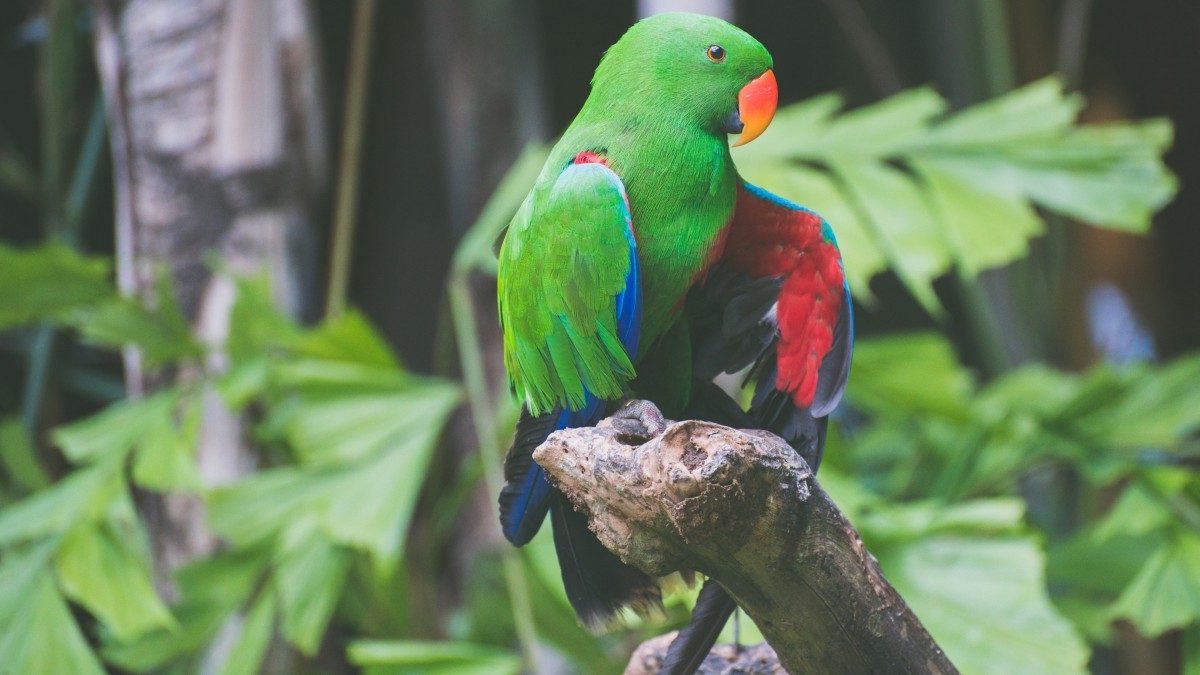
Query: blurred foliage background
(251, 403)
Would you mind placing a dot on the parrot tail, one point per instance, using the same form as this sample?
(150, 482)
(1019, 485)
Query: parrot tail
(598, 584)
(526, 494)
(689, 649)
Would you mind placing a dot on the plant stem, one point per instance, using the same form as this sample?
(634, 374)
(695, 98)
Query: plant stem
(471, 356)
(346, 206)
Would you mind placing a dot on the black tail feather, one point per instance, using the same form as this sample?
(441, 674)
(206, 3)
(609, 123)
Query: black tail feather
(521, 510)
(598, 584)
(688, 650)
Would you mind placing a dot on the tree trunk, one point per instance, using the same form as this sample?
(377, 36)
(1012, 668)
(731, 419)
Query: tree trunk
(744, 509)
(218, 147)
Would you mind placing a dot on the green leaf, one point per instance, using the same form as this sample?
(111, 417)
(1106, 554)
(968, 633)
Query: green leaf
(19, 459)
(257, 327)
(161, 331)
(1099, 567)
(113, 432)
(907, 374)
(332, 426)
(42, 283)
(258, 507)
(309, 575)
(20, 568)
(984, 601)
(1166, 592)
(247, 654)
(44, 638)
(938, 191)
(102, 573)
(922, 519)
(1156, 408)
(899, 218)
(1191, 650)
(985, 228)
(380, 657)
(83, 496)
(165, 458)
(1036, 111)
(211, 590)
(348, 337)
(1137, 512)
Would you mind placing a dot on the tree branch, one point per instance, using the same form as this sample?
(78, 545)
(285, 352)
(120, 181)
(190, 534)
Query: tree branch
(743, 508)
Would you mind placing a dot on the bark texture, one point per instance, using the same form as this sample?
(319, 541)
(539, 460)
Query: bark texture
(743, 508)
(218, 148)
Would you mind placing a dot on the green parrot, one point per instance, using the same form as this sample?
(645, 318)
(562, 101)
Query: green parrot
(635, 206)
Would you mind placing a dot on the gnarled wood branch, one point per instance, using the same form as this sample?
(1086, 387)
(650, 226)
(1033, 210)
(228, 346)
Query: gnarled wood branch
(743, 508)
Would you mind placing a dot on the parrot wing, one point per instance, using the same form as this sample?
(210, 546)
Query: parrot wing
(571, 309)
(777, 303)
(778, 300)
(570, 306)
(569, 291)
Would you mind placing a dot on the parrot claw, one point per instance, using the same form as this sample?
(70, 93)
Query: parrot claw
(637, 421)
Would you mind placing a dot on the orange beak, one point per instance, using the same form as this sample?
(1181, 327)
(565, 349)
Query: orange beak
(756, 106)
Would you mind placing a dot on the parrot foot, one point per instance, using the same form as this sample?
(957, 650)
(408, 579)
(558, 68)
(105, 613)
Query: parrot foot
(637, 421)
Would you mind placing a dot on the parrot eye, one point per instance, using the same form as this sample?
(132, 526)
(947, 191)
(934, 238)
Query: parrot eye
(716, 53)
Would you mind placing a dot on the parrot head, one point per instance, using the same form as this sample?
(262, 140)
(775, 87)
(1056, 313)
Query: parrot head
(693, 69)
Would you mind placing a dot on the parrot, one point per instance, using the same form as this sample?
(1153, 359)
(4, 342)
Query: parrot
(639, 240)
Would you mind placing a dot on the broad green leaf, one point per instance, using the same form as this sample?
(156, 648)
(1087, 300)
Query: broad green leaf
(1137, 512)
(309, 575)
(1035, 389)
(247, 654)
(22, 467)
(112, 580)
(257, 508)
(157, 649)
(984, 228)
(1191, 650)
(900, 219)
(1166, 592)
(379, 657)
(257, 327)
(880, 129)
(1099, 567)
(111, 433)
(938, 191)
(349, 337)
(1038, 110)
(160, 333)
(42, 283)
(984, 601)
(20, 568)
(906, 374)
(339, 427)
(44, 638)
(83, 496)
(1157, 408)
(211, 590)
(165, 458)
(245, 380)
(922, 519)
(374, 503)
